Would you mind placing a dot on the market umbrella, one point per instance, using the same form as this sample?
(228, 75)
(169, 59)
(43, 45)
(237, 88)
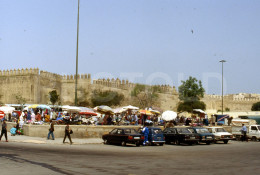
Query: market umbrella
(146, 112)
(104, 109)
(169, 115)
(33, 106)
(44, 107)
(130, 107)
(199, 110)
(88, 113)
(73, 109)
(7, 109)
(119, 110)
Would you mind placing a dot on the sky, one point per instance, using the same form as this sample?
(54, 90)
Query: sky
(143, 41)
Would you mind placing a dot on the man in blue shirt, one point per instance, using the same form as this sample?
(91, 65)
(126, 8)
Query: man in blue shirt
(244, 131)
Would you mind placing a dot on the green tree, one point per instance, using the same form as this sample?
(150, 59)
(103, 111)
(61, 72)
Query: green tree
(190, 93)
(20, 100)
(1, 103)
(109, 98)
(54, 97)
(256, 107)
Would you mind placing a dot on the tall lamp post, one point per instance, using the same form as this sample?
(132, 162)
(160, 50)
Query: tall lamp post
(222, 61)
(77, 50)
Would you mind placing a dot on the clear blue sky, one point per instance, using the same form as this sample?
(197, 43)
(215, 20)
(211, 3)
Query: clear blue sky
(146, 41)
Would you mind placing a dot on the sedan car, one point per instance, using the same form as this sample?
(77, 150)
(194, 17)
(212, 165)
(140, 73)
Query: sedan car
(155, 136)
(180, 135)
(123, 136)
(220, 134)
(204, 134)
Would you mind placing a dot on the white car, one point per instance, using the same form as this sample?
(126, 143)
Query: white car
(220, 134)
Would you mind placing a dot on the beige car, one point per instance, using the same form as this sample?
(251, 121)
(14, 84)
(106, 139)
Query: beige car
(220, 134)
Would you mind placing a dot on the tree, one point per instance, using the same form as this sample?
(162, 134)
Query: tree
(190, 93)
(20, 100)
(256, 107)
(54, 97)
(145, 96)
(109, 98)
(0, 99)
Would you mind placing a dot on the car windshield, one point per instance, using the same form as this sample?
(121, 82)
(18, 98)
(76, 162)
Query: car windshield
(202, 130)
(220, 130)
(131, 131)
(183, 130)
(157, 131)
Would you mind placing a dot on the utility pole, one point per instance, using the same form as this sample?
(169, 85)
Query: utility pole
(77, 55)
(222, 61)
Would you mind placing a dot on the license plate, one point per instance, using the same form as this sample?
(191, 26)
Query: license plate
(136, 137)
(192, 138)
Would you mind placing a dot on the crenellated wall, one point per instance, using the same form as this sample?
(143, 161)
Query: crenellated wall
(35, 85)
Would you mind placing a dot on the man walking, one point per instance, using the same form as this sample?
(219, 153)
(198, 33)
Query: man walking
(51, 130)
(67, 133)
(4, 131)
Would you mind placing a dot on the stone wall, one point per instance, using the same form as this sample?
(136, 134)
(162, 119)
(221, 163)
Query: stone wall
(35, 86)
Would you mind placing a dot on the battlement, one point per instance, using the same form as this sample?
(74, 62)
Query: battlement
(125, 84)
(73, 77)
(17, 72)
(234, 97)
(49, 75)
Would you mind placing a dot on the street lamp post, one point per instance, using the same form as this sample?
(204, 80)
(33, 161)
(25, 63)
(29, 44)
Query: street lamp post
(222, 61)
(77, 50)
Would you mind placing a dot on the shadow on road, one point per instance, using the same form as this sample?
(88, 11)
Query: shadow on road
(15, 158)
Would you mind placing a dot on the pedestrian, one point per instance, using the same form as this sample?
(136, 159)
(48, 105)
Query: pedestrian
(244, 131)
(4, 131)
(146, 133)
(51, 130)
(68, 131)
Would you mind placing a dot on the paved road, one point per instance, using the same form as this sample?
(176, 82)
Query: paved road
(232, 158)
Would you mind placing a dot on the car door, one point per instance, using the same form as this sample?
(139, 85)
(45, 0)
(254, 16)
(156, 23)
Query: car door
(120, 136)
(111, 138)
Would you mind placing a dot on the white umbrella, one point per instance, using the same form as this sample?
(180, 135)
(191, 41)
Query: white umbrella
(130, 107)
(199, 110)
(169, 115)
(7, 109)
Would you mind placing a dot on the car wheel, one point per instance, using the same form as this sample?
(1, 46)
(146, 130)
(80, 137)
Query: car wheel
(161, 144)
(208, 143)
(238, 138)
(123, 143)
(178, 142)
(106, 142)
(137, 144)
(253, 139)
(225, 141)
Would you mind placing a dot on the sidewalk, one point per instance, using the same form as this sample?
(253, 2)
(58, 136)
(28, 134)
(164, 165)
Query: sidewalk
(59, 141)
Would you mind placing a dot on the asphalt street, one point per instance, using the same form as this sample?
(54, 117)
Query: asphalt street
(29, 158)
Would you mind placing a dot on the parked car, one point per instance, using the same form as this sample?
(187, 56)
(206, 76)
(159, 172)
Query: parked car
(220, 134)
(123, 136)
(180, 135)
(155, 136)
(204, 134)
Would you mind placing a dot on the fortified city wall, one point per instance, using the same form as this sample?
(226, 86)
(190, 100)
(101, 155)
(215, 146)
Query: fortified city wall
(35, 85)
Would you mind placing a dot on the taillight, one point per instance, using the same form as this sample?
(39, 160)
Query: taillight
(130, 137)
(142, 137)
(231, 136)
(222, 136)
(187, 137)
